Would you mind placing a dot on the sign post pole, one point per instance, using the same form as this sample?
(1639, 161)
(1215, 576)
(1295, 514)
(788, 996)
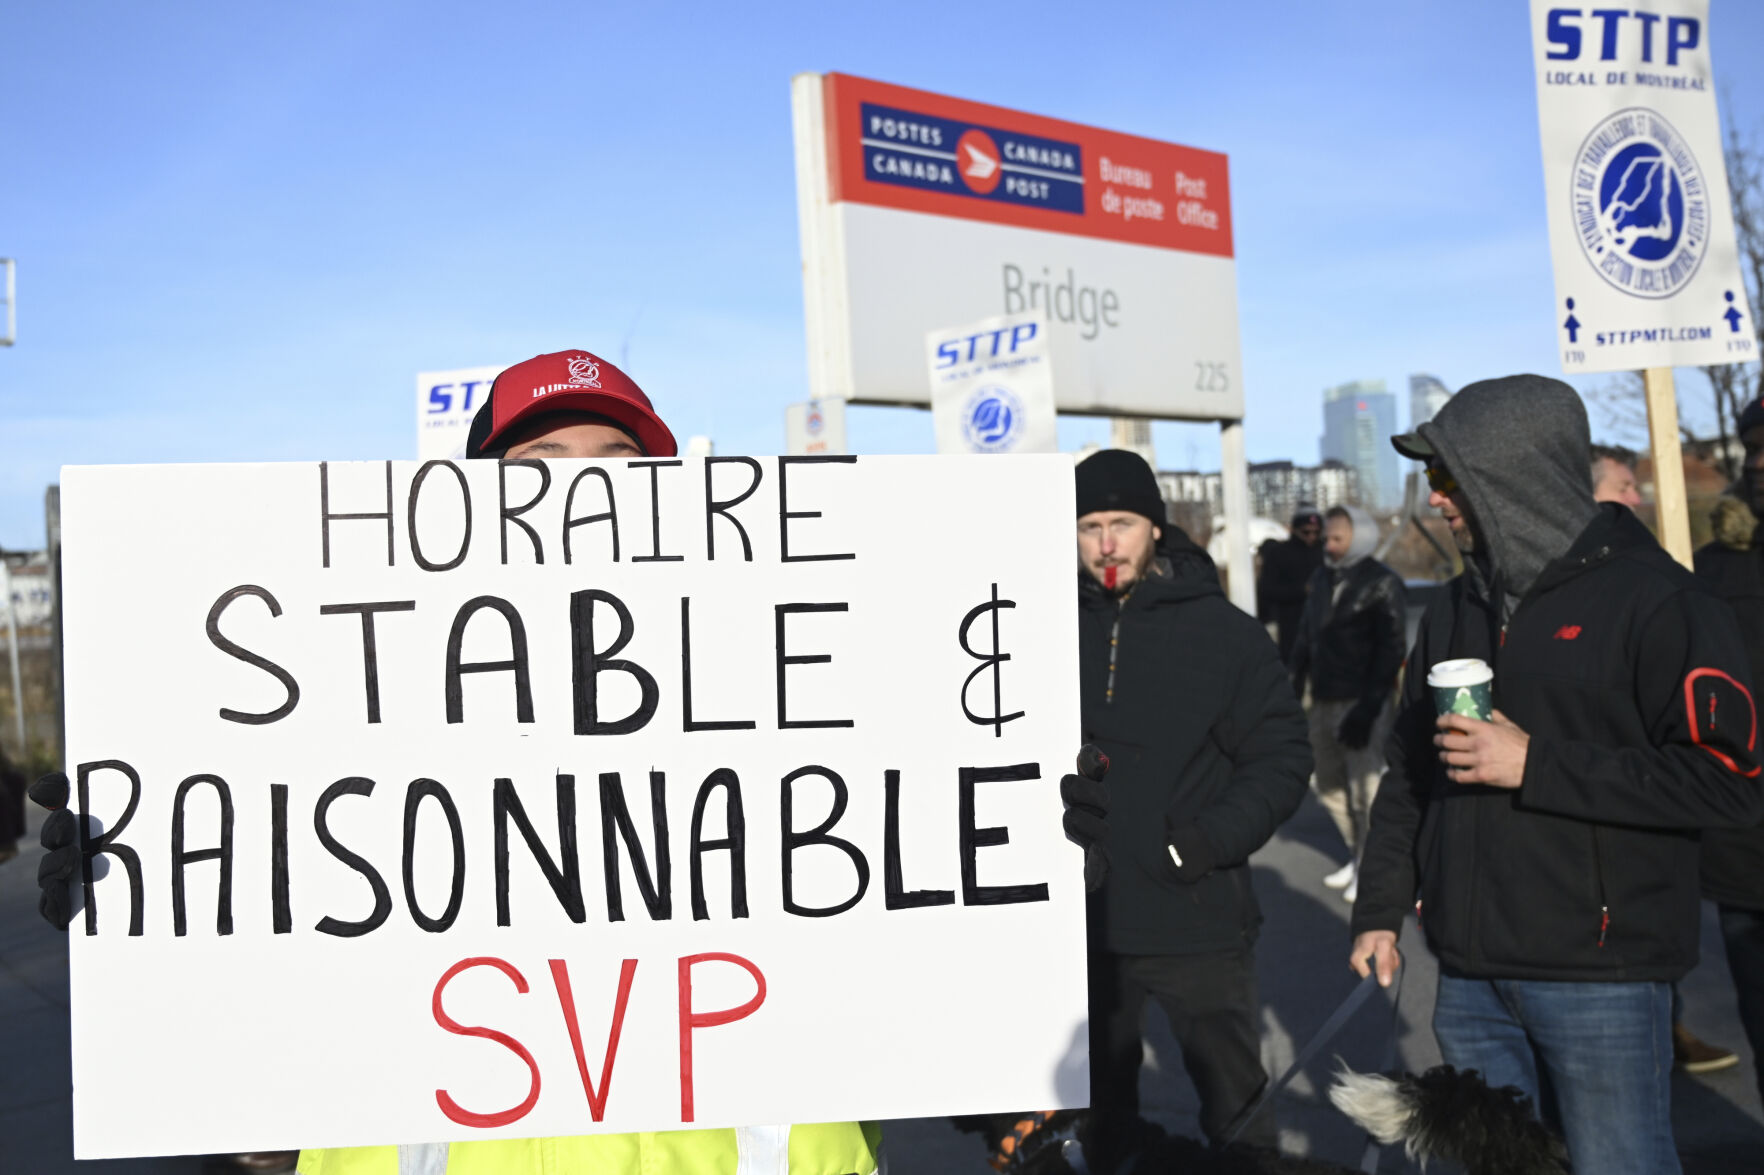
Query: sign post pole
(1234, 488)
(1670, 506)
(12, 653)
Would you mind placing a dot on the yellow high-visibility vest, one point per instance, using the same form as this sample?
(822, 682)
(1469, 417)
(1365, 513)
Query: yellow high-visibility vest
(830, 1148)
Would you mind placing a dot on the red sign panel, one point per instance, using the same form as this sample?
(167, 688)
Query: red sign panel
(900, 148)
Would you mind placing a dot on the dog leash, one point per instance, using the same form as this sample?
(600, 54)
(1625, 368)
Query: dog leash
(1329, 1031)
(1369, 1158)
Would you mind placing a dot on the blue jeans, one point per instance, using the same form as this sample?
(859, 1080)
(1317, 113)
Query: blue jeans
(1602, 1050)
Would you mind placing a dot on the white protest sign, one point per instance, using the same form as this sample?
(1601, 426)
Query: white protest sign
(446, 403)
(815, 426)
(457, 801)
(992, 387)
(1641, 233)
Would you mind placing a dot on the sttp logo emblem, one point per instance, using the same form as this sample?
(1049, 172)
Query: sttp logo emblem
(1640, 204)
(992, 420)
(977, 161)
(584, 372)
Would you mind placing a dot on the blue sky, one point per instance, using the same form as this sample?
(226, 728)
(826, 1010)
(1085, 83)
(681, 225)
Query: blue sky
(242, 229)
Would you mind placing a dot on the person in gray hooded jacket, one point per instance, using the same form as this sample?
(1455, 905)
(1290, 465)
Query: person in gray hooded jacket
(1350, 646)
(1554, 846)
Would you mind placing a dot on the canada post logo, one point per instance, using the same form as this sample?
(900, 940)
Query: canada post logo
(1641, 208)
(942, 155)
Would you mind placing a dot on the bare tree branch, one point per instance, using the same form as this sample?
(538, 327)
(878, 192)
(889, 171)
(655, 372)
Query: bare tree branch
(1737, 384)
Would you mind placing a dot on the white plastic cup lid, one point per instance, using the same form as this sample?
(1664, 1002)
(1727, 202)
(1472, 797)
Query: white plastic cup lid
(1466, 671)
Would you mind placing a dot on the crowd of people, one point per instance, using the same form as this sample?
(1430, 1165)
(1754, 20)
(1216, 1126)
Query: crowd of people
(1555, 846)
(1555, 852)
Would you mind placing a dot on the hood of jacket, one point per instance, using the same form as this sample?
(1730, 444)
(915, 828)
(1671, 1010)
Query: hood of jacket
(1365, 540)
(1520, 448)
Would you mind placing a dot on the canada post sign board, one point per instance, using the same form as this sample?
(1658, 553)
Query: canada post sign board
(919, 210)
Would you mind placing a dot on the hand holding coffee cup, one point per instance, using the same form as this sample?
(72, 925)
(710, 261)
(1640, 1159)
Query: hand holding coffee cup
(1477, 743)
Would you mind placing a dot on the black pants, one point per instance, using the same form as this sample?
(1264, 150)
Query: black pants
(1211, 1002)
(1742, 932)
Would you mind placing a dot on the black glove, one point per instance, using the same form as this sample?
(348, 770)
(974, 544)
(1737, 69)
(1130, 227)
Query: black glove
(1355, 730)
(1087, 812)
(1189, 855)
(60, 834)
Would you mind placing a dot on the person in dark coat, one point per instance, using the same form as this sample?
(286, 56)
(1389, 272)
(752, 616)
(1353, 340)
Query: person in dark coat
(1350, 647)
(1287, 567)
(1555, 846)
(12, 797)
(1614, 480)
(1208, 750)
(1733, 859)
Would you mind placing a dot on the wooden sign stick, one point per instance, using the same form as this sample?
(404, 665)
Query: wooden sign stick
(1671, 508)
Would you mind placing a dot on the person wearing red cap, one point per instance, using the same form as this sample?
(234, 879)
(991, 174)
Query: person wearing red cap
(567, 404)
(576, 404)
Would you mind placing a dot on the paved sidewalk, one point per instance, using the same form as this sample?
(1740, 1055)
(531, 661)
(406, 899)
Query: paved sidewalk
(1719, 1120)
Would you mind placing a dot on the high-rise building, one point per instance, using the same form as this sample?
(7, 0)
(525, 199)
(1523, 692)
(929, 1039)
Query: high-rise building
(1427, 395)
(1359, 418)
(1135, 435)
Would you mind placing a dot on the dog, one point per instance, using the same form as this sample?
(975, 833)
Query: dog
(1443, 1115)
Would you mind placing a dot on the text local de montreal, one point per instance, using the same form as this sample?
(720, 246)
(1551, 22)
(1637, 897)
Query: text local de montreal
(601, 626)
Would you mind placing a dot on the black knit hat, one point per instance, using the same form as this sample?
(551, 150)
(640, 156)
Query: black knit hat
(1750, 417)
(1116, 479)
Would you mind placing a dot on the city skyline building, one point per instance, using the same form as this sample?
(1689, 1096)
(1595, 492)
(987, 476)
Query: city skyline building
(1359, 418)
(1427, 395)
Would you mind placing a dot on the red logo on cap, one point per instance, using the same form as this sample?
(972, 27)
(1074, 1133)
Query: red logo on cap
(576, 381)
(584, 372)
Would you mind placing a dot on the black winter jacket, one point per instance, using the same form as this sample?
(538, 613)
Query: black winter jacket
(1199, 722)
(1352, 644)
(1733, 858)
(1280, 592)
(1631, 682)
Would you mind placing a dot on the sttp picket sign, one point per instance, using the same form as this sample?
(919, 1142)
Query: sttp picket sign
(440, 801)
(1641, 229)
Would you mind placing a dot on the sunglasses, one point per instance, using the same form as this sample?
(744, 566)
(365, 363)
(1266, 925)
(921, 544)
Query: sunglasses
(1440, 480)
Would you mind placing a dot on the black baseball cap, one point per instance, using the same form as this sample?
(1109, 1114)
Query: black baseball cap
(1414, 446)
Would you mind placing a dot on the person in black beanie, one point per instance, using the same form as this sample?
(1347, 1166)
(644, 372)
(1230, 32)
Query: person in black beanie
(1287, 567)
(1189, 699)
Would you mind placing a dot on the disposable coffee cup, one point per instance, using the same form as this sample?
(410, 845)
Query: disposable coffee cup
(1462, 687)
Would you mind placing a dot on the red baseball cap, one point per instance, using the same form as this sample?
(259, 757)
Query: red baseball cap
(575, 381)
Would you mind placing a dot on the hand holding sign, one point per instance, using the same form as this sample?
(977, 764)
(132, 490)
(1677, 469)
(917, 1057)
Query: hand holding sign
(1087, 811)
(60, 832)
